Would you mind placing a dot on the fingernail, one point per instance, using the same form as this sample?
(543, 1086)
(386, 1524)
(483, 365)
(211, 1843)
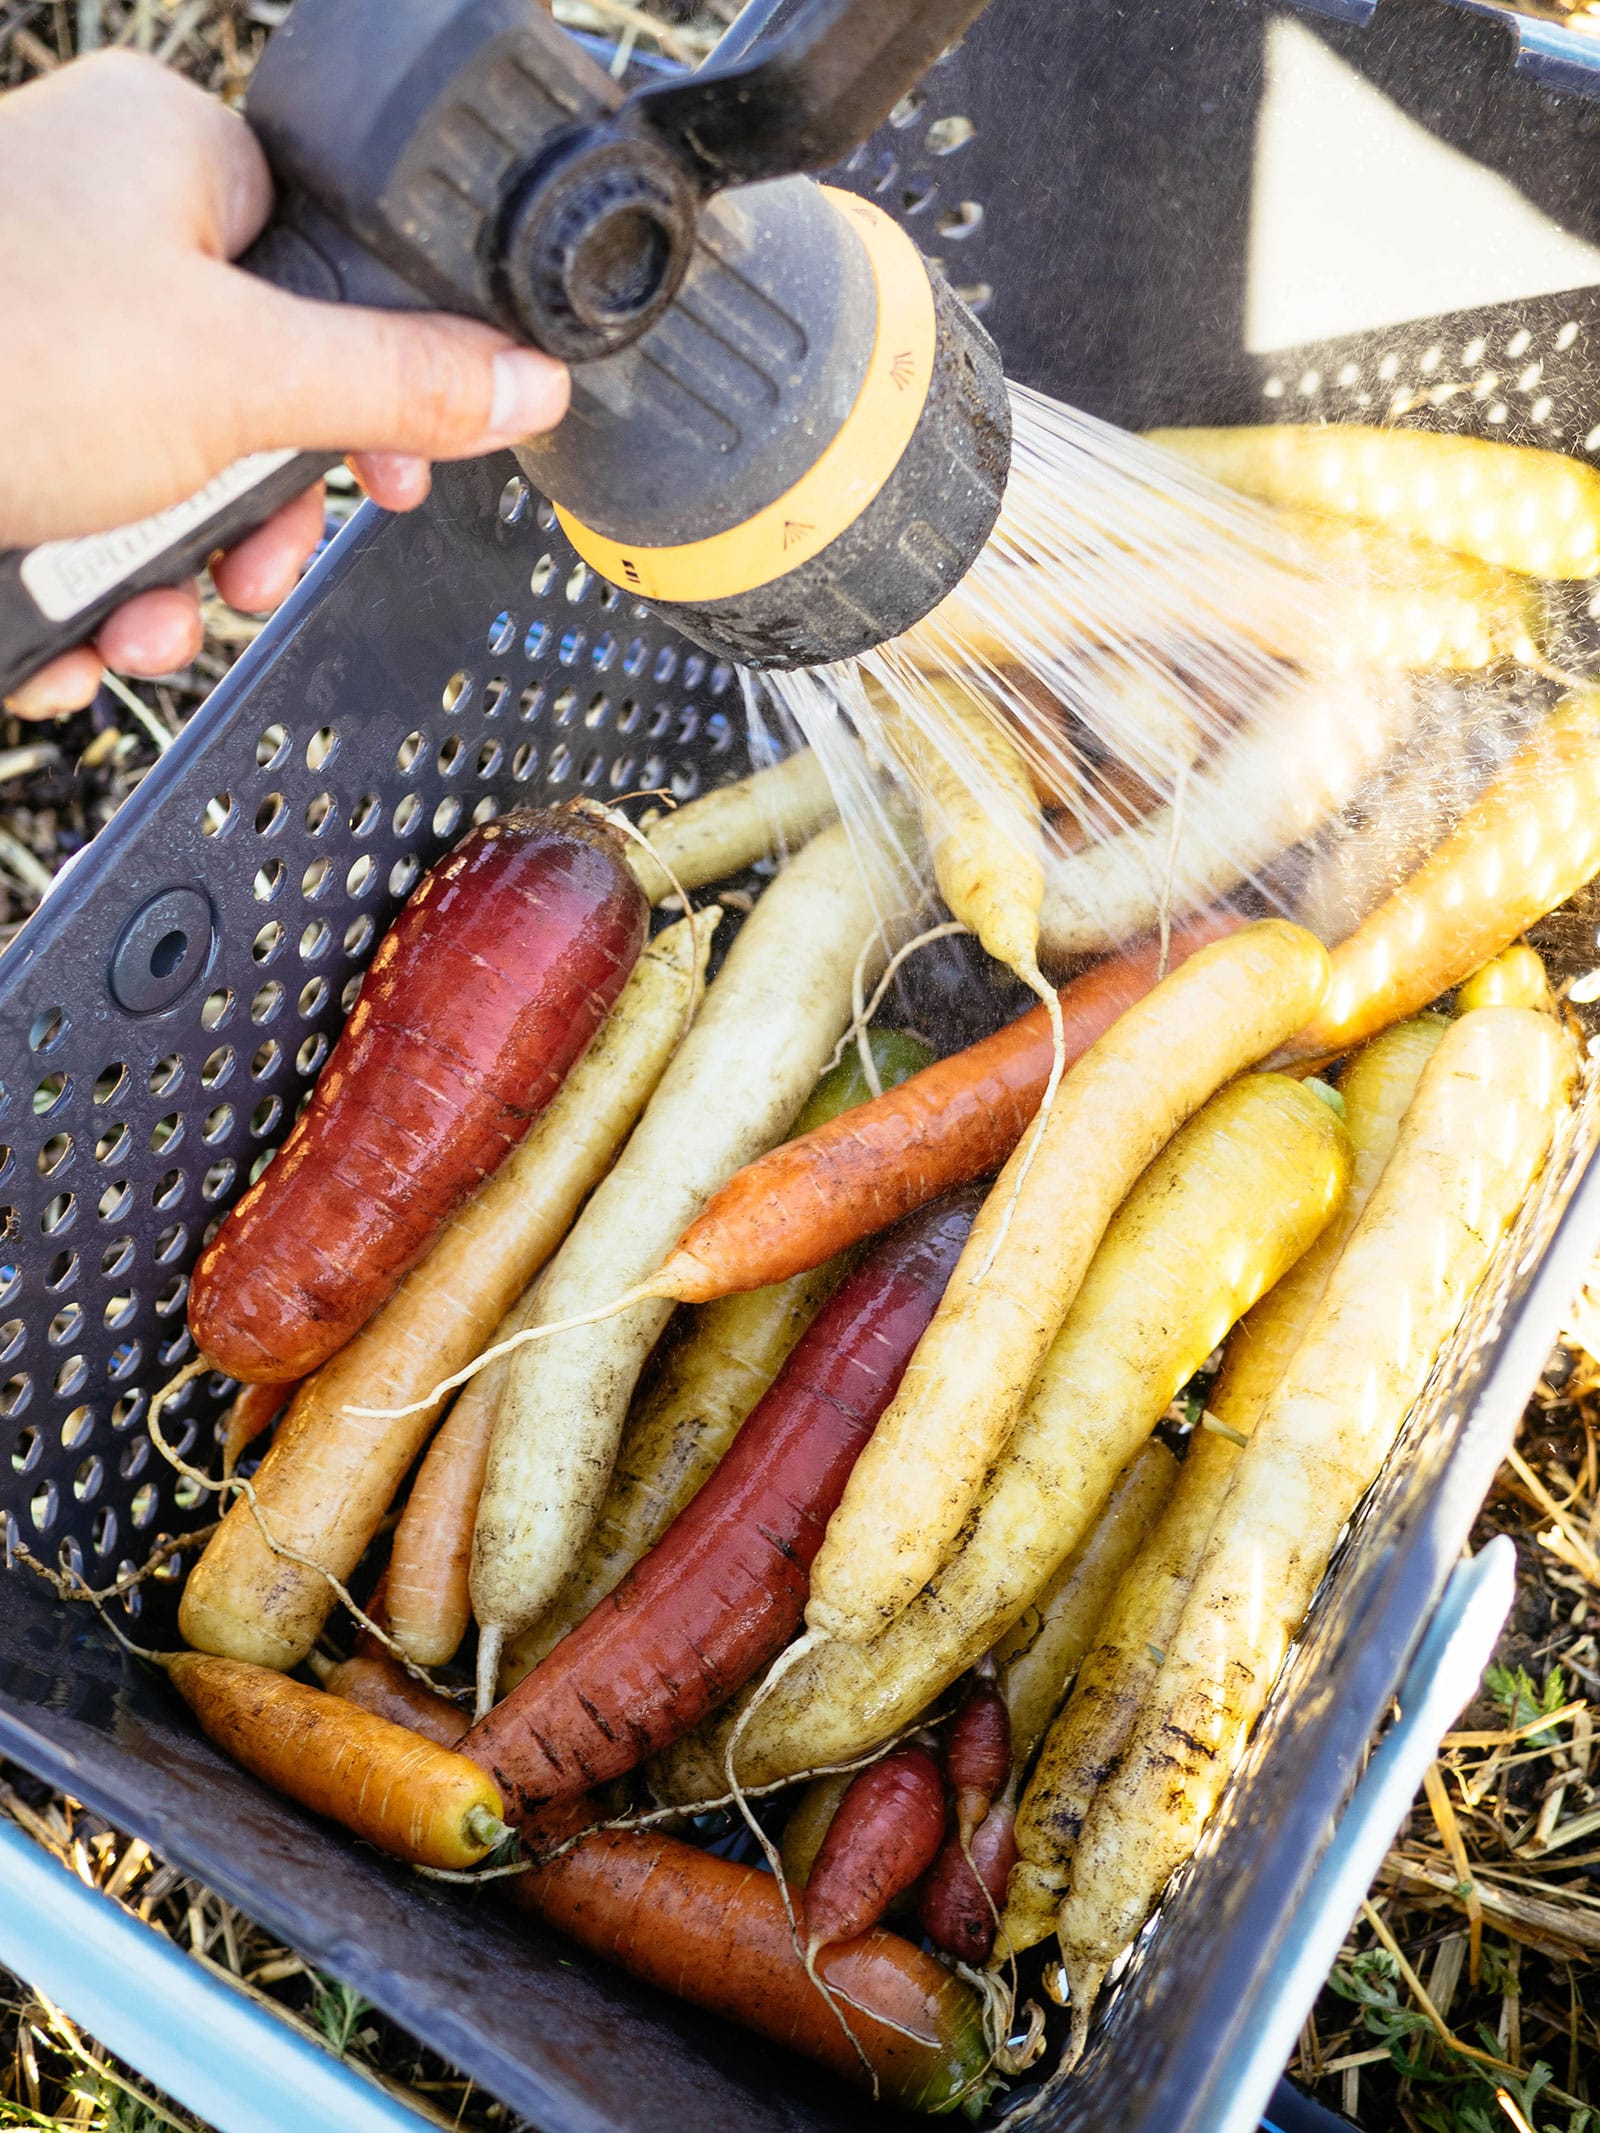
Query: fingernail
(530, 394)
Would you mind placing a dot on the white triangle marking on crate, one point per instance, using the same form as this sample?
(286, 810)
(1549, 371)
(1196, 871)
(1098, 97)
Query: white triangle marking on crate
(1360, 218)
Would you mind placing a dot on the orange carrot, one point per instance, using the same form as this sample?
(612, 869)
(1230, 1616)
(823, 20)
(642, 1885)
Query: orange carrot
(717, 1935)
(253, 1410)
(958, 1119)
(377, 1684)
(423, 1803)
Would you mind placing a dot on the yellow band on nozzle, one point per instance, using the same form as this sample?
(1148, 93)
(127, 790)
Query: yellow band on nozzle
(845, 477)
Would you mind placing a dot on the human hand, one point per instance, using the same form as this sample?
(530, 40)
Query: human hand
(136, 362)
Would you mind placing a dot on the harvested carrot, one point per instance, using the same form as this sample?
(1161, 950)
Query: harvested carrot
(1396, 602)
(1525, 509)
(723, 1589)
(729, 828)
(1224, 1210)
(433, 1082)
(251, 1413)
(977, 1750)
(1039, 1655)
(379, 1685)
(807, 1825)
(980, 812)
(1513, 978)
(422, 1803)
(332, 1472)
(1120, 1674)
(1118, 1107)
(718, 1935)
(886, 1834)
(957, 1120)
(1530, 841)
(766, 1030)
(707, 1385)
(965, 1891)
(1468, 1150)
(1298, 761)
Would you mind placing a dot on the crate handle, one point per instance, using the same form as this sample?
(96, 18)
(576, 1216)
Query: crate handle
(1457, 1646)
(216, 2052)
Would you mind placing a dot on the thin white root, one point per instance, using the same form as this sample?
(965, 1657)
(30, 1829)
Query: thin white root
(1034, 977)
(769, 1851)
(645, 1293)
(237, 1485)
(614, 818)
(863, 1013)
(1180, 793)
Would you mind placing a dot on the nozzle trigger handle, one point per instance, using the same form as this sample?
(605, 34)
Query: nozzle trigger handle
(56, 595)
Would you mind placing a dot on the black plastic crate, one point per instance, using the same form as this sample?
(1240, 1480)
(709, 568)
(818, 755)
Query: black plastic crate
(1086, 175)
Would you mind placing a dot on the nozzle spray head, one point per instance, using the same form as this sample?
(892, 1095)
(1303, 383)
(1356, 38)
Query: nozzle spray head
(809, 451)
(786, 432)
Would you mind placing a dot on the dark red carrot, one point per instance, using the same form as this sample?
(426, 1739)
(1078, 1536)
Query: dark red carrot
(381, 1685)
(958, 1119)
(724, 1588)
(884, 1836)
(717, 1935)
(977, 1751)
(252, 1410)
(960, 1907)
(483, 993)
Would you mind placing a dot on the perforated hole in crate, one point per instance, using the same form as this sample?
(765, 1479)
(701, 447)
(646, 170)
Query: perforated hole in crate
(917, 168)
(1519, 372)
(596, 695)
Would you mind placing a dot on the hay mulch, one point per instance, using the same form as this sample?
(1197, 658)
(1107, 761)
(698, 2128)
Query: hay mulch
(1467, 1997)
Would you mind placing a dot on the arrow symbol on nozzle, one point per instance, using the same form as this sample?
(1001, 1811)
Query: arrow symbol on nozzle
(795, 529)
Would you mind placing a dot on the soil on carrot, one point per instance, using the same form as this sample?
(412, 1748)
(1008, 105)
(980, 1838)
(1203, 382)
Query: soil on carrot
(1467, 1997)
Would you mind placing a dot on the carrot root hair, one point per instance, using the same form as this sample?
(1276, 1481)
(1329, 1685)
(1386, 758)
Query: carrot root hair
(863, 1009)
(800, 1649)
(238, 1485)
(1180, 793)
(1050, 999)
(615, 819)
(647, 1292)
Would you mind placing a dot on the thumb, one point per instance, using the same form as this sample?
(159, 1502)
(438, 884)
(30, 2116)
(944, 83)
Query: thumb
(340, 378)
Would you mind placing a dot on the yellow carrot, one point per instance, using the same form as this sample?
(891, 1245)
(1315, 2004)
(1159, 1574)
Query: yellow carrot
(1468, 1150)
(770, 811)
(1038, 1657)
(1514, 978)
(1214, 1220)
(1121, 1103)
(1397, 602)
(1529, 841)
(1525, 509)
(423, 1803)
(1118, 1677)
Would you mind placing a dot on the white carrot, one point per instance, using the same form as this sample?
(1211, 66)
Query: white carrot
(760, 1042)
(1305, 751)
(1117, 1108)
(1468, 1150)
(726, 830)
